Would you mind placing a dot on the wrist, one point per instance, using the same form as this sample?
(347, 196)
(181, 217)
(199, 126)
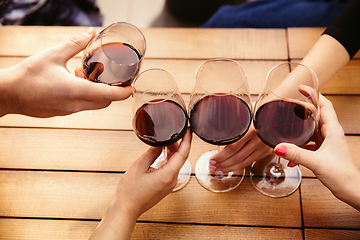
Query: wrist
(5, 90)
(118, 223)
(350, 193)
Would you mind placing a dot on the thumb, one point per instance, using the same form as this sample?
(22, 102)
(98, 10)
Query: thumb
(73, 45)
(295, 154)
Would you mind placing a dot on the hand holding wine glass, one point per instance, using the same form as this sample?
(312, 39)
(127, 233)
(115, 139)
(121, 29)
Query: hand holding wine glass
(220, 114)
(324, 161)
(159, 115)
(285, 111)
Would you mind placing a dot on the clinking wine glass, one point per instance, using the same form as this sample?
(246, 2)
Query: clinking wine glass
(114, 55)
(286, 111)
(220, 114)
(159, 115)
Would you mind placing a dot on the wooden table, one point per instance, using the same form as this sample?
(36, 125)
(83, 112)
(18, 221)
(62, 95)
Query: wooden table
(58, 175)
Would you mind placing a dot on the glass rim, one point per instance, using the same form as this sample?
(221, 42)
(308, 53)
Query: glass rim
(134, 94)
(101, 33)
(289, 64)
(220, 59)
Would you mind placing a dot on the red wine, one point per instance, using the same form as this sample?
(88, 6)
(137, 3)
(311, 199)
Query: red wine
(220, 119)
(282, 121)
(120, 70)
(160, 124)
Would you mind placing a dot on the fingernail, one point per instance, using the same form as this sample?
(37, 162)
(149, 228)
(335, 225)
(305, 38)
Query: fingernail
(212, 167)
(291, 164)
(89, 31)
(212, 162)
(219, 172)
(281, 151)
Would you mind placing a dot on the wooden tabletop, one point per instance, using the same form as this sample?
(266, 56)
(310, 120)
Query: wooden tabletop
(58, 175)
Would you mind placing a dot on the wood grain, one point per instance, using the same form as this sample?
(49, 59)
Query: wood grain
(78, 195)
(322, 209)
(24, 229)
(161, 42)
(301, 41)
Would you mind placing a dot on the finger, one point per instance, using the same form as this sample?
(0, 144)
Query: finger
(145, 161)
(73, 46)
(329, 118)
(98, 92)
(172, 149)
(229, 150)
(79, 72)
(296, 154)
(257, 154)
(178, 159)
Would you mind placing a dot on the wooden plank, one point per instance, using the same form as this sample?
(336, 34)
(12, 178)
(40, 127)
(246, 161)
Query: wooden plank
(330, 234)
(171, 231)
(118, 117)
(80, 150)
(301, 40)
(346, 81)
(321, 209)
(209, 43)
(347, 109)
(87, 150)
(77, 195)
(28, 40)
(161, 42)
(24, 229)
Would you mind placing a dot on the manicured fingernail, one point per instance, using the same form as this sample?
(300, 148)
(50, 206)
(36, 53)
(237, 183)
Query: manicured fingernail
(89, 31)
(281, 151)
(212, 162)
(219, 172)
(212, 167)
(291, 164)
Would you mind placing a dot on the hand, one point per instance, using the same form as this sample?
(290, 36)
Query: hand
(41, 85)
(240, 154)
(141, 188)
(332, 163)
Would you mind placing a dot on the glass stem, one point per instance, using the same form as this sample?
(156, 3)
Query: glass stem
(276, 169)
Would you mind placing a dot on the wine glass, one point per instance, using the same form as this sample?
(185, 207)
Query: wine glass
(220, 114)
(114, 55)
(159, 115)
(286, 111)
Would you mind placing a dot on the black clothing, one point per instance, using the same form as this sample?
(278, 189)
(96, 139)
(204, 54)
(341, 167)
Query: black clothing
(346, 28)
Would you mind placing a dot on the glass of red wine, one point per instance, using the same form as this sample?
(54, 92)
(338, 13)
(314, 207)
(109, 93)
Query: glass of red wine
(159, 115)
(220, 114)
(286, 111)
(114, 55)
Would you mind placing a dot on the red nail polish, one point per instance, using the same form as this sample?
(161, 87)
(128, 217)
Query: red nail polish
(291, 164)
(281, 151)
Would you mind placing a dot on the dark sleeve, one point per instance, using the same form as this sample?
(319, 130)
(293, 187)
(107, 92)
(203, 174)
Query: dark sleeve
(346, 28)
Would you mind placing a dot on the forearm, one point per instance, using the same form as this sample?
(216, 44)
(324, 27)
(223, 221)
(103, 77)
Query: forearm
(117, 224)
(326, 58)
(350, 190)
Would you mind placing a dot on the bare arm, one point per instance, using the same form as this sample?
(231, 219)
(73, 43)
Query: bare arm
(326, 58)
(140, 189)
